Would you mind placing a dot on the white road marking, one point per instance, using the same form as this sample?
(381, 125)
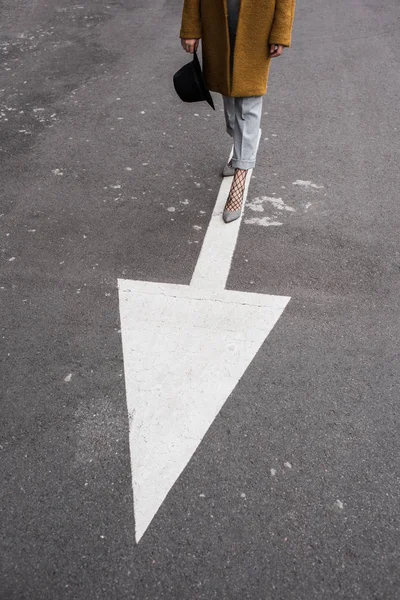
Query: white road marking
(214, 262)
(185, 348)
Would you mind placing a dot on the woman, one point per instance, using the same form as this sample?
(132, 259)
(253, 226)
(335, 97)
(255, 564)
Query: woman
(239, 38)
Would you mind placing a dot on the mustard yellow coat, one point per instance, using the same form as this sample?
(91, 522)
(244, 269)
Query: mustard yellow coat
(261, 22)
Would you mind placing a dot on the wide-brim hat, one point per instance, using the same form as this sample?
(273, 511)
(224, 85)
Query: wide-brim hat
(190, 84)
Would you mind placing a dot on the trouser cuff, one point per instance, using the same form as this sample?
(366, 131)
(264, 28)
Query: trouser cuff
(243, 164)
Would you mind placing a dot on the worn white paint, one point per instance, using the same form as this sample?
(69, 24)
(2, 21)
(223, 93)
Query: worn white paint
(263, 221)
(257, 205)
(185, 348)
(307, 185)
(260, 204)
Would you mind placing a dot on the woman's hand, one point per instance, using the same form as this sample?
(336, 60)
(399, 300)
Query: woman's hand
(275, 50)
(190, 45)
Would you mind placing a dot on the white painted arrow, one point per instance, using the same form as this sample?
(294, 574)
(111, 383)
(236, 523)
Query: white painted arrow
(185, 348)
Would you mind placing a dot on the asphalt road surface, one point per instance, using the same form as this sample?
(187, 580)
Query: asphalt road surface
(293, 494)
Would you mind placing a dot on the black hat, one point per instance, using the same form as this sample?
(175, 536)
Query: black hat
(190, 85)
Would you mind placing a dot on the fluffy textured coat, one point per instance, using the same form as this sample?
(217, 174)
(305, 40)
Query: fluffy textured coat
(261, 22)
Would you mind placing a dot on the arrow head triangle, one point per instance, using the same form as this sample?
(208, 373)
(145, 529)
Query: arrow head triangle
(184, 351)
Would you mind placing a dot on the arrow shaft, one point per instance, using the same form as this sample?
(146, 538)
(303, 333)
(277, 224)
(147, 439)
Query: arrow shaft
(214, 262)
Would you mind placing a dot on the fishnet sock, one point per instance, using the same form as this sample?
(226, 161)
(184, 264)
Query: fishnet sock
(236, 193)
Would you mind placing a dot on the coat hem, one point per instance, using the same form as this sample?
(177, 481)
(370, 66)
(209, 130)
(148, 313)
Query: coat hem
(249, 93)
(190, 35)
(279, 42)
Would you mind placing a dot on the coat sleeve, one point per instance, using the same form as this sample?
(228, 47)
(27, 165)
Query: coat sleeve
(281, 32)
(191, 20)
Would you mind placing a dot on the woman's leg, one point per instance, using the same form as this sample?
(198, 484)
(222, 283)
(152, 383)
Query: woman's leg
(248, 113)
(229, 103)
(245, 126)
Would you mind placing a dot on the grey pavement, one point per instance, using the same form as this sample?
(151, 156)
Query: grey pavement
(294, 492)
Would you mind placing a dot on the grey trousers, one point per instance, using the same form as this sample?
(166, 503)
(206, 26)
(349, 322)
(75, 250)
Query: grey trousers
(243, 118)
(242, 115)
